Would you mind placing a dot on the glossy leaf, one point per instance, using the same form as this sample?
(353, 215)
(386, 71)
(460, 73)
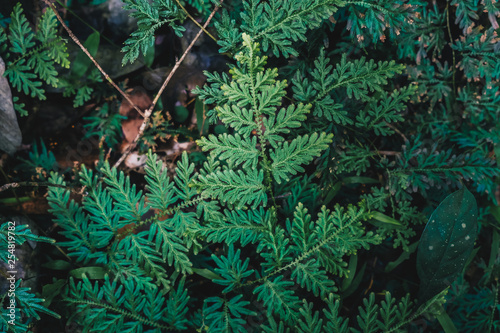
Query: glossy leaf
(446, 243)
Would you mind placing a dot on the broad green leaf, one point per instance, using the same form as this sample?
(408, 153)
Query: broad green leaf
(201, 118)
(82, 62)
(181, 114)
(385, 219)
(51, 290)
(446, 243)
(60, 265)
(402, 258)
(92, 272)
(206, 273)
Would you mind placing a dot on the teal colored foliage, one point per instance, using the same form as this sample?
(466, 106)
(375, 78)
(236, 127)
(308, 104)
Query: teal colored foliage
(345, 124)
(21, 306)
(150, 17)
(30, 56)
(105, 124)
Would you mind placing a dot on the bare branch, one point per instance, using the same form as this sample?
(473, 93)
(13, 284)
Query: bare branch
(32, 184)
(75, 39)
(148, 112)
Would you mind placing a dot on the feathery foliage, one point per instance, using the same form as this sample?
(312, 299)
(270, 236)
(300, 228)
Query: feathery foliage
(283, 222)
(31, 56)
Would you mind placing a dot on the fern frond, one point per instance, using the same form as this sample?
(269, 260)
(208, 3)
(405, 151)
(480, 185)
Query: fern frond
(234, 149)
(23, 80)
(128, 203)
(238, 188)
(274, 248)
(287, 118)
(170, 246)
(246, 227)
(231, 269)
(21, 36)
(141, 251)
(358, 78)
(114, 307)
(340, 232)
(288, 157)
(28, 62)
(466, 12)
(150, 17)
(226, 315)
(176, 309)
(310, 321)
(277, 23)
(184, 178)
(241, 119)
(279, 298)
(99, 205)
(310, 275)
(367, 318)
(75, 224)
(161, 190)
(334, 322)
(376, 116)
(125, 269)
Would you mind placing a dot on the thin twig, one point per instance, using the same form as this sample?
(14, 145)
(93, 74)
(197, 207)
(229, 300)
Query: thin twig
(32, 184)
(451, 43)
(148, 112)
(195, 22)
(397, 131)
(388, 152)
(96, 64)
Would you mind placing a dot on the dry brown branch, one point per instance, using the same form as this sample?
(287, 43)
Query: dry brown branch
(388, 152)
(96, 64)
(397, 131)
(148, 112)
(196, 22)
(32, 184)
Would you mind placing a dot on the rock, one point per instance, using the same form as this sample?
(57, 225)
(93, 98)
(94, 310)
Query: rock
(10, 133)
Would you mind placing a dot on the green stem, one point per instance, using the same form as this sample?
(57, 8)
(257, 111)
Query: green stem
(451, 42)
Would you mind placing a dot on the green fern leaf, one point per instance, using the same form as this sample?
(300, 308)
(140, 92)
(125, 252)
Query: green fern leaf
(129, 204)
(334, 322)
(237, 188)
(176, 309)
(277, 23)
(142, 252)
(21, 36)
(226, 316)
(184, 179)
(161, 192)
(287, 118)
(310, 323)
(231, 269)
(241, 119)
(234, 149)
(288, 157)
(368, 313)
(378, 116)
(23, 80)
(150, 17)
(75, 224)
(246, 227)
(279, 298)
(310, 275)
(171, 246)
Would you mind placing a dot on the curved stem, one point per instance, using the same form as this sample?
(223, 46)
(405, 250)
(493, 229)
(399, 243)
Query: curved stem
(96, 64)
(196, 22)
(149, 111)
